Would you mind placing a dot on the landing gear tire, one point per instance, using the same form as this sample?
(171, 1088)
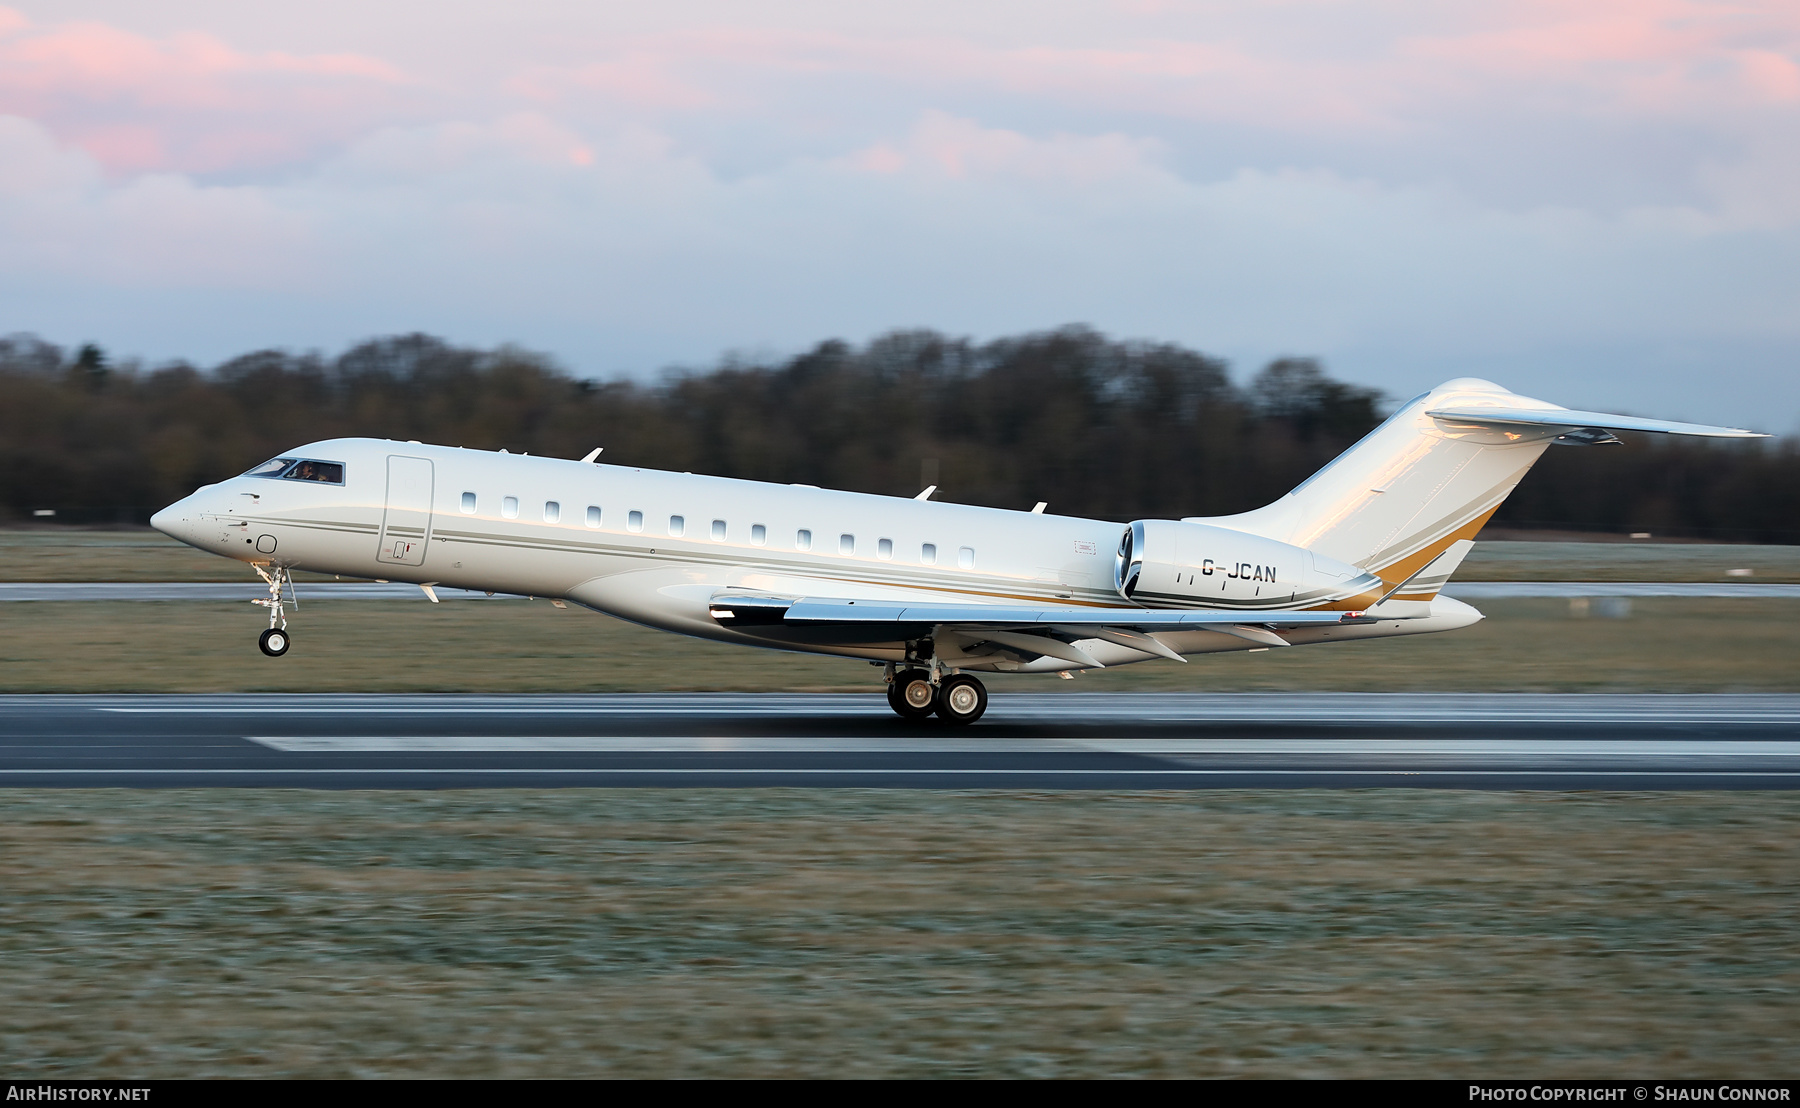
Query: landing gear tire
(961, 700)
(274, 642)
(912, 696)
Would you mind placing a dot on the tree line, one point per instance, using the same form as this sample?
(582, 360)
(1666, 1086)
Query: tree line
(1093, 425)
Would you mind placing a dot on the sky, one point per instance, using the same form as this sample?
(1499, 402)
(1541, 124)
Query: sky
(1596, 202)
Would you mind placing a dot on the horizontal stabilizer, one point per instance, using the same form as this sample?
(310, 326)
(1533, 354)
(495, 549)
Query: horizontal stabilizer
(1571, 418)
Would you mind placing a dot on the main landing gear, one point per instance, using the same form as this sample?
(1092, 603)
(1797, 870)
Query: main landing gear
(274, 642)
(958, 700)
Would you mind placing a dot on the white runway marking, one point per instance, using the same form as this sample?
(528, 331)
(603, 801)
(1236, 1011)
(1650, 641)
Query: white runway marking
(926, 744)
(736, 711)
(1068, 708)
(766, 772)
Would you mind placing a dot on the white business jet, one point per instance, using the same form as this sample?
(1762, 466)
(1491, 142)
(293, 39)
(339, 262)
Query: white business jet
(934, 592)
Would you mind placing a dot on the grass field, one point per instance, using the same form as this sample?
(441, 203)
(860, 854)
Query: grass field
(1668, 645)
(513, 646)
(55, 554)
(585, 933)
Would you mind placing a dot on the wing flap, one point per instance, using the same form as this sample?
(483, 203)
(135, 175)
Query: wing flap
(818, 610)
(1044, 644)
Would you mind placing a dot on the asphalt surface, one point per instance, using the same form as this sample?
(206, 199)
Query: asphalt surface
(1035, 741)
(374, 590)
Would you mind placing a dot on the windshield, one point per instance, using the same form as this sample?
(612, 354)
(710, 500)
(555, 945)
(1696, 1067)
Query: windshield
(308, 470)
(300, 469)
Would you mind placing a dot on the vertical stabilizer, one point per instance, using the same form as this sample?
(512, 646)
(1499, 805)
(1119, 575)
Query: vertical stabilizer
(1398, 502)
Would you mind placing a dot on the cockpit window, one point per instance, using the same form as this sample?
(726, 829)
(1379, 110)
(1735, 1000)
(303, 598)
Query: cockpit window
(301, 469)
(332, 473)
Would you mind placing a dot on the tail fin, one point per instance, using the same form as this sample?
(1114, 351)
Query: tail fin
(1398, 502)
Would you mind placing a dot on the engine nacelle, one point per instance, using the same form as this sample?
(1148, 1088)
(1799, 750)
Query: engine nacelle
(1163, 563)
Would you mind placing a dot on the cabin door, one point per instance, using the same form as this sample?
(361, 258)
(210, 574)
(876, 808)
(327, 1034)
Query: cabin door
(406, 525)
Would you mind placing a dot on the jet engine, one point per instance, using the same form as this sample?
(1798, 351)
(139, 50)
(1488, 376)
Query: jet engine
(1163, 563)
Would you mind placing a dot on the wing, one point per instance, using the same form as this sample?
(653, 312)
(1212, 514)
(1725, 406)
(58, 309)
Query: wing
(1049, 631)
(1574, 420)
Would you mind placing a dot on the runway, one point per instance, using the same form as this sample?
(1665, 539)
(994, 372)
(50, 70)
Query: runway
(1027, 741)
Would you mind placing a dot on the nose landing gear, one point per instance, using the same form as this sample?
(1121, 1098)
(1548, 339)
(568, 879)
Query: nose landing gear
(275, 641)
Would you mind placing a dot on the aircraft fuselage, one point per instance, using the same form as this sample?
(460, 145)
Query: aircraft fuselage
(658, 547)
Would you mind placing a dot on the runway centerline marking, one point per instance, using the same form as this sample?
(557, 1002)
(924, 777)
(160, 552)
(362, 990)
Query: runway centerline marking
(775, 772)
(1609, 717)
(758, 744)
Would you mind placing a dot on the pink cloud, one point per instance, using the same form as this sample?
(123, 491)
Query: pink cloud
(943, 145)
(188, 101)
(639, 80)
(1647, 57)
(196, 102)
(737, 69)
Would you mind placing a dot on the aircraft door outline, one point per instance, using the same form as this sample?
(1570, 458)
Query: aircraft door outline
(406, 519)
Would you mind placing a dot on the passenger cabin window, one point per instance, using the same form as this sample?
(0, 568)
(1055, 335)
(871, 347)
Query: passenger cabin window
(509, 507)
(634, 521)
(552, 511)
(758, 534)
(846, 544)
(928, 553)
(677, 525)
(718, 530)
(884, 548)
(802, 540)
(965, 557)
(593, 518)
(468, 503)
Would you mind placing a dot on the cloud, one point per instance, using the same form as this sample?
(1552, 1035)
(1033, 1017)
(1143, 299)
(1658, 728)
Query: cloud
(494, 228)
(1511, 187)
(187, 101)
(62, 219)
(942, 145)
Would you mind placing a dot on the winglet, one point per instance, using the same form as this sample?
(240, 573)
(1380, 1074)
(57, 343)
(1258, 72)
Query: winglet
(592, 454)
(926, 494)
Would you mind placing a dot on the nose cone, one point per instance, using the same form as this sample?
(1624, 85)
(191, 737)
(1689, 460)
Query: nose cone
(180, 520)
